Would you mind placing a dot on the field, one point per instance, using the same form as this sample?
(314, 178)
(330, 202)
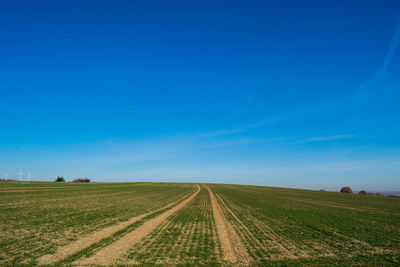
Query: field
(196, 224)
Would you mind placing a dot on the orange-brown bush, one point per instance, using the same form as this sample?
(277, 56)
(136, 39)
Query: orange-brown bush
(346, 189)
(82, 180)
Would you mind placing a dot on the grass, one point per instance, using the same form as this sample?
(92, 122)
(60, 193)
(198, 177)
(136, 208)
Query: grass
(278, 227)
(187, 237)
(292, 226)
(37, 218)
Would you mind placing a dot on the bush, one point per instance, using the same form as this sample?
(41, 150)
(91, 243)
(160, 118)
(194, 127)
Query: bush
(60, 179)
(80, 180)
(346, 189)
(362, 192)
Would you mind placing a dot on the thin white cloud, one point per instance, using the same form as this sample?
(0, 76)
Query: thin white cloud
(235, 130)
(329, 138)
(378, 164)
(393, 45)
(380, 75)
(332, 167)
(117, 152)
(325, 138)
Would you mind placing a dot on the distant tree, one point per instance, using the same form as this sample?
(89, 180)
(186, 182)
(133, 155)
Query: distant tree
(346, 189)
(362, 192)
(82, 180)
(60, 179)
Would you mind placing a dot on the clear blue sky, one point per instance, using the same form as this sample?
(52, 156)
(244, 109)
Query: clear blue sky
(283, 93)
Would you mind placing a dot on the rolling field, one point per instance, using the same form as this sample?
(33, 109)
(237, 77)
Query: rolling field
(196, 224)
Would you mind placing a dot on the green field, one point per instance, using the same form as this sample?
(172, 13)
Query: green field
(43, 223)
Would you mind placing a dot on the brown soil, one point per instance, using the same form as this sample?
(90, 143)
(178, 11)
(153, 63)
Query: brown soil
(232, 246)
(109, 254)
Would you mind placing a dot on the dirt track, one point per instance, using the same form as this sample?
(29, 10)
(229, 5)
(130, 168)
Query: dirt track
(109, 254)
(232, 246)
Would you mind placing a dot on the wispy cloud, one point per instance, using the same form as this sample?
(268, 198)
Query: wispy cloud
(180, 146)
(326, 138)
(364, 90)
(393, 45)
(232, 131)
(377, 164)
(332, 167)
(329, 138)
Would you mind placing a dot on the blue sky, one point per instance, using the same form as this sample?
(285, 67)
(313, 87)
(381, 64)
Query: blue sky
(298, 94)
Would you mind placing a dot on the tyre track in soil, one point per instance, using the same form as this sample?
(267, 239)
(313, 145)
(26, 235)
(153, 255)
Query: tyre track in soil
(109, 254)
(304, 252)
(286, 253)
(233, 249)
(248, 232)
(73, 248)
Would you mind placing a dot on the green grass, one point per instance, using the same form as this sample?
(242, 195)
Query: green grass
(278, 227)
(187, 237)
(36, 220)
(313, 227)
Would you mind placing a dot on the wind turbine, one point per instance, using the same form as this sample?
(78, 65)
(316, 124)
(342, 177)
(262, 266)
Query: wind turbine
(29, 176)
(20, 175)
(6, 176)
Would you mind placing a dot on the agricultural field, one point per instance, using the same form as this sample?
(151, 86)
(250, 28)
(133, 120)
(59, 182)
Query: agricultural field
(103, 224)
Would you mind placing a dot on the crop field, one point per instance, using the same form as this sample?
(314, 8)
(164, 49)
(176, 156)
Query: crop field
(103, 224)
